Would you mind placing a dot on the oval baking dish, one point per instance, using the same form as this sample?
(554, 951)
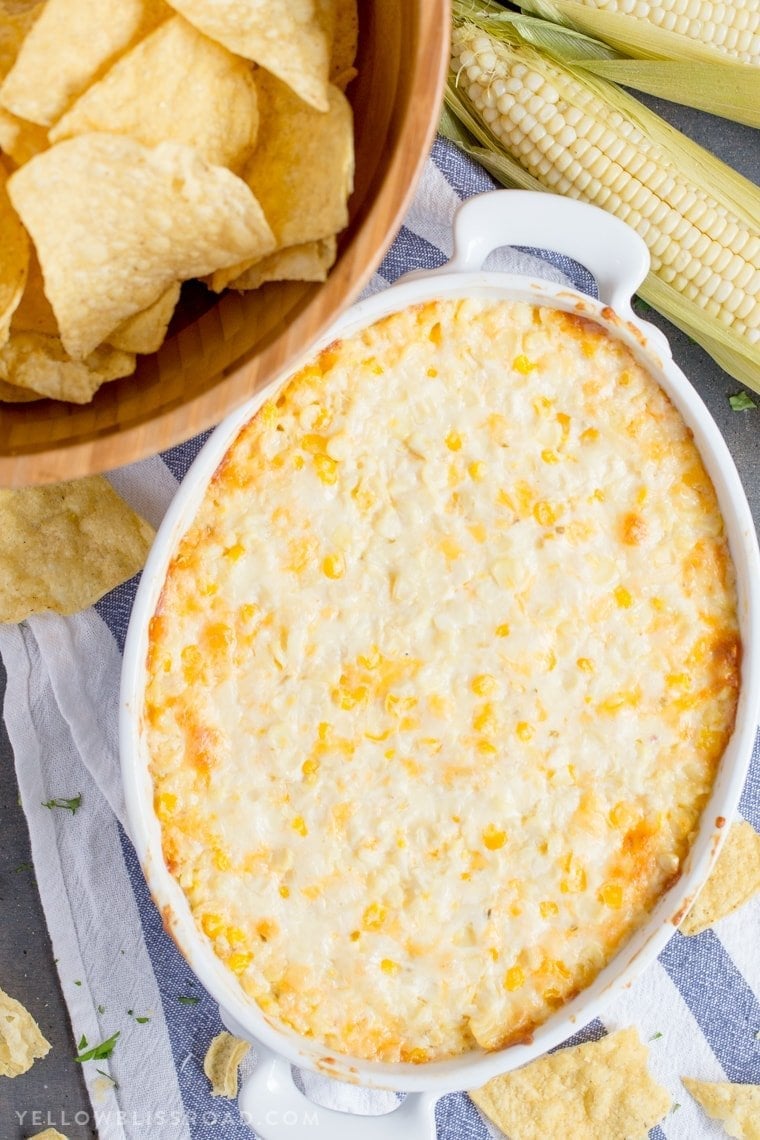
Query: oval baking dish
(619, 261)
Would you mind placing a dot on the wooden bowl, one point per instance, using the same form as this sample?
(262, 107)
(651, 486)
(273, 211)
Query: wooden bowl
(226, 353)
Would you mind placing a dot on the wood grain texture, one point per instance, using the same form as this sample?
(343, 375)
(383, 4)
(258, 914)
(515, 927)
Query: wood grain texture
(223, 355)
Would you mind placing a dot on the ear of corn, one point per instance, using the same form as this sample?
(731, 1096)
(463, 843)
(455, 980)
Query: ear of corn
(665, 40)
(544, 125)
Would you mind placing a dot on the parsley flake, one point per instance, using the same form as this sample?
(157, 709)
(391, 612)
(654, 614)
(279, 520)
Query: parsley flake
(77, 983)
(101, 1009)
(82, 1044)
(99, 1052)
(741, 402)
(142, 1020)
(70, 805)
(186, 1000)
(656, 1036)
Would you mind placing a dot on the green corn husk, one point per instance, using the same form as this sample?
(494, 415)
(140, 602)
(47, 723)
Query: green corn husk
(461, 123)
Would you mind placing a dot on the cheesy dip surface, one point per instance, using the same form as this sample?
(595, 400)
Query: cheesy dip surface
(440, 678)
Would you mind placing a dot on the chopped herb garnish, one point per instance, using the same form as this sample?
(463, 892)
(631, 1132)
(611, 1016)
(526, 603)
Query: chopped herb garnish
(656, 1036)
(23, 867)
(101, 1009)
(108, 1078)
(130, 1013)
(675, 1108)
(142, 1020)
(741, 402)
(188, 1000)
(70, 805)
(77, 983)
(99, 1052)
(82, 1044)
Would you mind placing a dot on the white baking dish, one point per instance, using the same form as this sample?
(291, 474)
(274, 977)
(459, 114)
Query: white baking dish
(619, 261)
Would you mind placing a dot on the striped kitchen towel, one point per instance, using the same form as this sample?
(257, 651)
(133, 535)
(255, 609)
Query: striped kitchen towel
(699, 1005)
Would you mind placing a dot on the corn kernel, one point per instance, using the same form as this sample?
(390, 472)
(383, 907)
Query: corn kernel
(548, 908)
(284, 892)
(485, 719)
(611, 895)
(549, 456)
(388, 966)
(235, 936)
(248, 611)
(326, 469)
(585, 664)
(417, 1056)
(374, 916)
(323, 729)
(514, 978)
(334, 566)
(523, 365)
(298, 462)
(396, 705)
(299, 825)
(590, 435)
(453, 441)
(355, 935)
(477, 471)
(478, 532)
(310, 769)
(575, 881)
(239, 962)
(678, 681)
(493, 838)
(485, 683)
(544, 513)
(166, 802)
(235, 552)
(222, 861)
(212, 925)
(524, 730)
(623, 598)
(486, 748)
(370, 660)
(503, 630)
(314, 444)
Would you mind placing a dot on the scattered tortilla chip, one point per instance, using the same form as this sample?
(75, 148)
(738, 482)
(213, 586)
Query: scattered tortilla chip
(33, 312)
(19, 139)
(598, 1091)
(145, 331)
(63, 546)
(345, 44)
(71, 44)
(147, 95)
(302, 170)
(737, 1107)
(15, 21)
(127, 221)
(49, 1134)
(10, 394)
(21, 1042)
(221, 1064)
(735, 878)
(292, 40)
(310, 261)
(40, 363)
(14, 261)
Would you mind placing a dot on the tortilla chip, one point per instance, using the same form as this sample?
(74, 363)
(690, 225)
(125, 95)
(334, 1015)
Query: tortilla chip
(40, 363)
(308, 262)
(598, 1091)
(735, 878)
(19, 139)
(221, 1064)
(21, 1042)
(14, 261)
(63, 546)
(147, 95)
(345, 44)
(302, 170)
(71, 44)
(15, 21)
(292, 40)
(10, 394)
(737, 1107)
(145, 331)
(126, 222)
(33, 313)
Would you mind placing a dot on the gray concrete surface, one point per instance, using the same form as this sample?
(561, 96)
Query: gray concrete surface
(26, 966)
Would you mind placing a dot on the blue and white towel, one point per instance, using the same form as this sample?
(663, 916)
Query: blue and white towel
(699, 1006)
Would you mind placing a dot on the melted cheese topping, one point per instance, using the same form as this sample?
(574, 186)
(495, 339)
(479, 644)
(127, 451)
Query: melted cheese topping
(440, 678)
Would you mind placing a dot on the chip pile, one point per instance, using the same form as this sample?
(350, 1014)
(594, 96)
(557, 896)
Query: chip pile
(146, 143)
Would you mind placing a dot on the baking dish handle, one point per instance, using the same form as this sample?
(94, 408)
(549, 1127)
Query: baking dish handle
(612, 251)
(272, 1105)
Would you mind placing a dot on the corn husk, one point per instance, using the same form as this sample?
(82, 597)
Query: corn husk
(657, 61)
(462, 124)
